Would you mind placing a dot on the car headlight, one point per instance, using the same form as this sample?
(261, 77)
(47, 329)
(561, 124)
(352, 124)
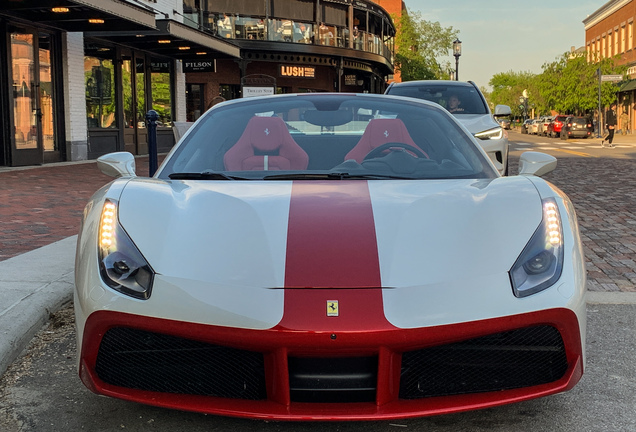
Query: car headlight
(540, 264)
(496, 133)
(121, 265)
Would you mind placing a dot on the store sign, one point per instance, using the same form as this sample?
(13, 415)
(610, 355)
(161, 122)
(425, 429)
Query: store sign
(160, 66)
(257, 91)
(199, 65)
(350, 80)
(297, 71)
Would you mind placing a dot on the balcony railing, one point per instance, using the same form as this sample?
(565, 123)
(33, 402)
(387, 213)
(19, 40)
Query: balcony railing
(256, 28)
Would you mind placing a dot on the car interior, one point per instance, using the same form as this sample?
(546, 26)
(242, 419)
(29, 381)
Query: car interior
(318, 138)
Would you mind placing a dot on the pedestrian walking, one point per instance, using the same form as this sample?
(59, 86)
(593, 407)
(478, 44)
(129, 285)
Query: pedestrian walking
(610, 123)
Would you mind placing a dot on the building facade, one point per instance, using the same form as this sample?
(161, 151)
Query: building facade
(609, 32)
(77, 77)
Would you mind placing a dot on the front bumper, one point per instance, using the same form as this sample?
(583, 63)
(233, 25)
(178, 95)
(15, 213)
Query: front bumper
(288, 374)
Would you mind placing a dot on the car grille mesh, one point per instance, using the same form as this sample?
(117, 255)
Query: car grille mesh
(138, 359)
(148, 361)
(509, 360)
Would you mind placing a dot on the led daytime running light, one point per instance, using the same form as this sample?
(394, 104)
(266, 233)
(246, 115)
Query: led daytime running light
(107, 225)
(496, 133)
(551, 213)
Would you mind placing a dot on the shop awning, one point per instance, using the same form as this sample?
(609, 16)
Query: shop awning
(628, 86)
(172, 39)
(124, 23)
(82, 15)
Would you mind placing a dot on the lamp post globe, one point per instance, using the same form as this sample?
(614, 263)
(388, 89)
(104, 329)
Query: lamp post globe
(457, 51)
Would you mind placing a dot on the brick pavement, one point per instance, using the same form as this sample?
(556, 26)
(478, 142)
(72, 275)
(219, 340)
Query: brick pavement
(42, 205)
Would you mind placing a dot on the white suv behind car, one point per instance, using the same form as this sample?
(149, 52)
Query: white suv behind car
(472, 111)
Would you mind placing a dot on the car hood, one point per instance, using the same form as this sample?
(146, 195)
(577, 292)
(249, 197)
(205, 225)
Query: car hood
(274, 234)
(476, 123)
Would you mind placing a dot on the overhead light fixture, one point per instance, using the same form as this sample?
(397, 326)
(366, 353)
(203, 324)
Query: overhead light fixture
(96, 21)
(184, 48)
(164, 41)
(201, 53)
(60, 9)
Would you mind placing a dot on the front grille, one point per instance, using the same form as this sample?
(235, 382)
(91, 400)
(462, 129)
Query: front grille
(156, 362)
(350, 379)
(513, 359)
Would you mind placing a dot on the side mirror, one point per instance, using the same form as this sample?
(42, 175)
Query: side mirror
(535, 163)
(502, 111)
(119, 164)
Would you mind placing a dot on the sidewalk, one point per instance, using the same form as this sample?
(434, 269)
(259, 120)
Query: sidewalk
(40, 215)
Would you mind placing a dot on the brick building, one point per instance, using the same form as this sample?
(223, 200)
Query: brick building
(609, 32)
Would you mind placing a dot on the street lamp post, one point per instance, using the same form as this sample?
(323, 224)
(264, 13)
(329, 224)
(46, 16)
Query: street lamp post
(457, 51)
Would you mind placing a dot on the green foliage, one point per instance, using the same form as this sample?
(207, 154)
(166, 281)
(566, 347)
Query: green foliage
(419, 44)
(509, 86)
(568, 85)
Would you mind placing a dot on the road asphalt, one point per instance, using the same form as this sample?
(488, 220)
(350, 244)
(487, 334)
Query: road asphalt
(41, 207)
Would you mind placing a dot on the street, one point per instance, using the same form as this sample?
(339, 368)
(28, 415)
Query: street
(41, 391)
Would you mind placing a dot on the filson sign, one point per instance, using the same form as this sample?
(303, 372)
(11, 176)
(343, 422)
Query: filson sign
(297, 71)
(199, 65)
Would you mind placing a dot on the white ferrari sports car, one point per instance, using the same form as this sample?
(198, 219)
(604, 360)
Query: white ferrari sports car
(329, 257)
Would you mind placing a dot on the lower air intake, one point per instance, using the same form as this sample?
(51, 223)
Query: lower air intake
(503, 361)
(156, 362)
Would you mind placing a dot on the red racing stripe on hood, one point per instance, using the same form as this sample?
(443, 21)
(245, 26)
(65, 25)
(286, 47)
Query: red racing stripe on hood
(331, 254)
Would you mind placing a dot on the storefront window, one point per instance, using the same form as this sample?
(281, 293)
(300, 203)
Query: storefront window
(194, 101)
(161, 91)
(126, 78)
(140, 80)
(24, 114)
(99, 74)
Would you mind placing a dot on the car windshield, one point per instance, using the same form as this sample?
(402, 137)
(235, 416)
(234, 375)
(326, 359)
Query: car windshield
(470, 101)
(326, 136)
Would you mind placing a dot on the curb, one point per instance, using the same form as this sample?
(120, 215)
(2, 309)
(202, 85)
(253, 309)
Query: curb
(32, 286)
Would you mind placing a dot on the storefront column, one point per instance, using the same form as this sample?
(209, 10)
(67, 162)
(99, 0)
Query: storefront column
(180, 93)
(74, 97)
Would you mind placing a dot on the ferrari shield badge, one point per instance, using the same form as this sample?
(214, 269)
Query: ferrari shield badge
(332, 307)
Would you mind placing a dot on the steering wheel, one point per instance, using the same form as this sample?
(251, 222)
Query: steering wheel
(409, 148)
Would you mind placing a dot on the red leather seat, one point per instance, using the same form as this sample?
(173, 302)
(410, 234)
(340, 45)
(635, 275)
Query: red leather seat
(378, 132)
(265, 145)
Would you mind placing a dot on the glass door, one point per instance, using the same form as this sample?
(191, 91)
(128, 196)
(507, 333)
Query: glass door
(27, 146)
(46, 100)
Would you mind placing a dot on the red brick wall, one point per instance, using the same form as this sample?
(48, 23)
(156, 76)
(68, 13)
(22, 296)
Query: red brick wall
(617, 20)
(394, 8)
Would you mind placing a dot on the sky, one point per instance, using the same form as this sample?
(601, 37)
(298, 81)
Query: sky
(508, 35)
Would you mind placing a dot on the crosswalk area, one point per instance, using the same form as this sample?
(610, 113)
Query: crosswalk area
(564, 145)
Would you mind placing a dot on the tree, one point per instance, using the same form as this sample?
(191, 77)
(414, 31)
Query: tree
(508, 87)
(419, 44)
(570, 84)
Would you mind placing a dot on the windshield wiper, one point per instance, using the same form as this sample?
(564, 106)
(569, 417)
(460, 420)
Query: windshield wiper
(334, 176)
(205, 175)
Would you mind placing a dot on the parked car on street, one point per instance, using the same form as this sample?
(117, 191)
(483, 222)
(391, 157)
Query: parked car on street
(542, 127)
(555, 126)
(329, 256)
(504, 122)
(577, 127)
(472, 112)
(525, 125)
(533, 128)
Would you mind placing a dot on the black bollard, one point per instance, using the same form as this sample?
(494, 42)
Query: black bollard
(151, 123)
